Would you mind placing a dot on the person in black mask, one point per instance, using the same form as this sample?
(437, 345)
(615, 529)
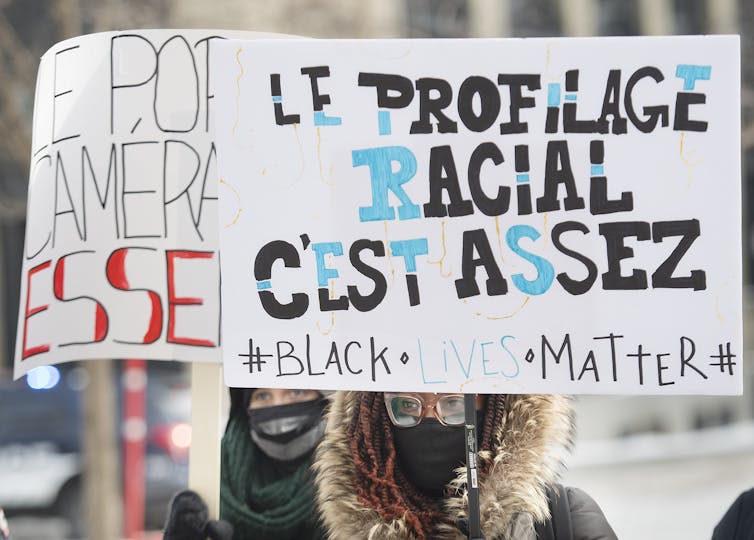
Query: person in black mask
(266, 489)
(286, 424)
(392, 465)
(427, 451)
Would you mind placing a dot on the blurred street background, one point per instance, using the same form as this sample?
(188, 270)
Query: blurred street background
(661, 467)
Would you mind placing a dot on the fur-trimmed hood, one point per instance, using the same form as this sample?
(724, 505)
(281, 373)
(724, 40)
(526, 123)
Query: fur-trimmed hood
(528, 454)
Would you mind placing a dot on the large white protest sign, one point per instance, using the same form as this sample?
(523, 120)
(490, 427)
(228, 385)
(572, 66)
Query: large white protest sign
(544, 215)
(121, 235)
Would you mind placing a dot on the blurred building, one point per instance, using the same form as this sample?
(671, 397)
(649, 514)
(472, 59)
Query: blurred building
(661, 455)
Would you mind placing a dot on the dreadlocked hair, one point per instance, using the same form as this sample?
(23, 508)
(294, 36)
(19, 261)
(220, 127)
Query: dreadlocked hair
(495, 418)
(380, 484)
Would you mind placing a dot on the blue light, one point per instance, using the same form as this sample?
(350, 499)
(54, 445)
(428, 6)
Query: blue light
(43, 378)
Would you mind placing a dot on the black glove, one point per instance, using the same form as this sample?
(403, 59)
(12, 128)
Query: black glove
(188, 519)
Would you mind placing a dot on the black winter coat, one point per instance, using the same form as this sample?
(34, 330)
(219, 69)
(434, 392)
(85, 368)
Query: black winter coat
(738, 521)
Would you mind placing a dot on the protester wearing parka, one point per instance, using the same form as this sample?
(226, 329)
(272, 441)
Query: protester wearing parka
(362, 492)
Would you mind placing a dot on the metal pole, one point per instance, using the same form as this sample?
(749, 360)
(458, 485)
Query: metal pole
(134, 446)
(472, 484)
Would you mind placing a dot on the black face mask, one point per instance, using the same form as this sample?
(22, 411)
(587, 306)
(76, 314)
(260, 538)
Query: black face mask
(287, 432)
(429, 453)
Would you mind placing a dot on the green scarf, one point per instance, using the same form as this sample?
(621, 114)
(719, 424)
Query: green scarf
(262, 498)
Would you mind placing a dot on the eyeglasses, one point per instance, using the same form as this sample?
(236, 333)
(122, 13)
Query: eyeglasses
(407, 410)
